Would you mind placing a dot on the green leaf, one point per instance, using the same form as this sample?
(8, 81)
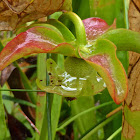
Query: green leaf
(55, 113)
(72, 118)
(27, 84)
(2, 120)
(97, 127)
(1, 46)
(23, 102)
(125, 40)
(79, 27)
(41, 112)
(68, 36)
(87, 121)
(66, 85)
(102, 57)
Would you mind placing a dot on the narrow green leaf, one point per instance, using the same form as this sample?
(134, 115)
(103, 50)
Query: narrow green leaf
(1, 46)
(27, 84)
(67, 122)
(41, 97)
(84, 122)
(115, 133)
(102, 124)
(16, 100)
(2, 120)
(22, 90)
(57, 102)
(55, 113)
(68, 36)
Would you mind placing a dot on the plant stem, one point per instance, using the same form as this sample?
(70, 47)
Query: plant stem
(41, 97)
(49, 109)
(22, 90)
(79, 26)
(2, 119)
(57, 102)
(49, 116)
(91, 132)
(115, 133)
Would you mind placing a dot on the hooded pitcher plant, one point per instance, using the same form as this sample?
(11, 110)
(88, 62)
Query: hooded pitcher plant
(91, 64)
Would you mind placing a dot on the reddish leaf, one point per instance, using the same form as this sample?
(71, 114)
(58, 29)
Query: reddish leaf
(95, 27)
(35, 40)
(102, 58)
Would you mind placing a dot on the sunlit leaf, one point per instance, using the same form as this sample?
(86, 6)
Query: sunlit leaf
(125, 40)
(35, 40)
(95, 27)
(64, 84)
(102, 58)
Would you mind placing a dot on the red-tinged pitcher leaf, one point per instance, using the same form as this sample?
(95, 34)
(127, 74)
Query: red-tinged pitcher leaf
(102, 58)
(35, 40)
(95, 27)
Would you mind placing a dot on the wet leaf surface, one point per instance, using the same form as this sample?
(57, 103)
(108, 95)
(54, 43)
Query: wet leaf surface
(102, 57)
(63, 83)
(35, 40)
(95, 27)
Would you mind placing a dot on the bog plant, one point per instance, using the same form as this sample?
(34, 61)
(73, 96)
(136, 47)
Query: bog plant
(91, 63)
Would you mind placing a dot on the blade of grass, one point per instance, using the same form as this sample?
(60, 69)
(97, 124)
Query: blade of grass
(96, 128)
(57, 102)
(46, 133)
(41, 97)
(49, 109)
(115, 133)
(22, 90)
(1, 46)
(55, 113)
(85, 122)
(67, 122)
(49, 116)
(28, 67)
(2, 119)
(16, 100)
(126, 7)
